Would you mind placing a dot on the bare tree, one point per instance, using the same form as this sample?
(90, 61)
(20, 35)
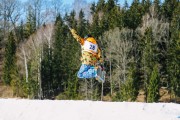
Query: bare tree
(36, 7)
(9, 15)
(119, 45)
(79, 5)
(89, 89)
(56, 6)
(31, 51)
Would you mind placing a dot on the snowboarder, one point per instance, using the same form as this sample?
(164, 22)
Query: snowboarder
(91, 56)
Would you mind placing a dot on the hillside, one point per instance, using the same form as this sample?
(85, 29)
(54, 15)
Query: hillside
(138, 43)
(18, 109)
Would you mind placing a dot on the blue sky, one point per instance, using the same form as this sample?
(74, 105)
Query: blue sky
(90, 1)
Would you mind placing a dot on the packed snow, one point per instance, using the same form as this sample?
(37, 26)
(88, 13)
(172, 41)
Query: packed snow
(21, 109)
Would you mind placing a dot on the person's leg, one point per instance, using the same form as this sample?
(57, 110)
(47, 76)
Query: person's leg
(90, 73)
(82, 69)
(87, 71)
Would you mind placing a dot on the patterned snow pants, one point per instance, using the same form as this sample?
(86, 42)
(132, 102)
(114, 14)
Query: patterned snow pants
(87, 71)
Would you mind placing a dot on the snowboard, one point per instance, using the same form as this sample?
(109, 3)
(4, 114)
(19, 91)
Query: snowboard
(101, 74)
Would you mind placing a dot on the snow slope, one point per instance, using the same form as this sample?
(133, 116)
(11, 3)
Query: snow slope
(20, 109)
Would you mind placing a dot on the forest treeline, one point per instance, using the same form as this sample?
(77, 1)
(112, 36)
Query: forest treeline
(140, 45)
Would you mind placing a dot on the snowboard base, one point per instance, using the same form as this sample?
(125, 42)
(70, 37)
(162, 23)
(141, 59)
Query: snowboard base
(100, 75)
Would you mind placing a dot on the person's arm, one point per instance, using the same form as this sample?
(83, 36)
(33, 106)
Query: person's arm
(77, 37)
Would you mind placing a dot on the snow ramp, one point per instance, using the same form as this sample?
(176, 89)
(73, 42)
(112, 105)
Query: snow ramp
(22, 109)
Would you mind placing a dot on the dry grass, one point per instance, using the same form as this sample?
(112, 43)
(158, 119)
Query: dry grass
(6, 92)
(141, 96)
(165, 96)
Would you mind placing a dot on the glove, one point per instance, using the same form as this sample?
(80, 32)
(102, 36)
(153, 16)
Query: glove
(101, 60)
(73, 31)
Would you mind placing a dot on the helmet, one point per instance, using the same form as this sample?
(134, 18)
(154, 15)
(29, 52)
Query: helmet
(90, 38)
(86, 36)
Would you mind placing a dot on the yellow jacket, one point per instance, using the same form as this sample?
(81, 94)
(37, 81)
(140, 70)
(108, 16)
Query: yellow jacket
(90, 50)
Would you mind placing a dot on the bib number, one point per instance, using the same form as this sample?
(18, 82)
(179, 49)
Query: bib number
(92, 47)
(88, 46)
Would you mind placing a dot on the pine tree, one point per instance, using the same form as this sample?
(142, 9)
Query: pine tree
(93, 8)
(58, 53)
(95, 27)
(30, 25)
(153, 86)
(20, 35)
(168, 7)
(147, 58)
(53, 67)
(15, 83)
(72, 56)
(115, 18)
(47, 72)
(111, 14)
(157, 7)
(110, 5)
(9, 61)
(146, 5)
(126, 6)
(173, 63)
(129, 89)
(82, 27)
(71, 19)
(100, 5)
(133, 16)
(65, 59)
